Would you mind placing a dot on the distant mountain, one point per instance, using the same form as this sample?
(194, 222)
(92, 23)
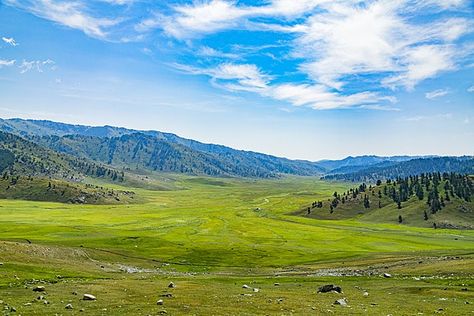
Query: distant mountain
(351, 164)
(464, 165)
(154, 150)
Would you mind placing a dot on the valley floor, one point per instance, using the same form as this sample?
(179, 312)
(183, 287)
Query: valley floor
(212, 236)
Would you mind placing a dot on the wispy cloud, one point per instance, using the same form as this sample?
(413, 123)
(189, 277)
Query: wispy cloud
(249, 78)
(37, 65)
(10, 40)
(6, 63)
(72, 14)
(436, 94)
(470, 89)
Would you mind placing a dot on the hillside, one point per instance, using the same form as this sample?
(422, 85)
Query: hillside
(51, 190)
(154, 150)
(22, 157)
(428, 200)
(390, 170)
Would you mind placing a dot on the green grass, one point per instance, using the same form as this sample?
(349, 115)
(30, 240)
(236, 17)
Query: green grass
(211, 236)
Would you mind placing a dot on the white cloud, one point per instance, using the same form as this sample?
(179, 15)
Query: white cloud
(10, 40)
(205, 17)
(436, 94)
(207, 51)
(69, 13)
(37, 65)
(470, 89)
(6, 63)
(247, 77)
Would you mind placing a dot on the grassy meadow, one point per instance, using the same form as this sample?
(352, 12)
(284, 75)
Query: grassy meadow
(210, 236)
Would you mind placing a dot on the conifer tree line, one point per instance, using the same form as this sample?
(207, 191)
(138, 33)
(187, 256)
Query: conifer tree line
(435, 188)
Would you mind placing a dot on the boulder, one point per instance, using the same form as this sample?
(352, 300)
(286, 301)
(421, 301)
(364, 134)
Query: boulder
(69, 306)
(330, 288)
(39, 288)
(88, 297)
(387, 275)
(171, 285)
(160, 302)
(245, 286)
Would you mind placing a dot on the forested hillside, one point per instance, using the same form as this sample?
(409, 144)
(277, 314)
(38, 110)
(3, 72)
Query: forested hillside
(25, 158)
(406, 168)
(429, 199)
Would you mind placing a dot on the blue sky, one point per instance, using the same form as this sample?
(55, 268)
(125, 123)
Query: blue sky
(307, 79)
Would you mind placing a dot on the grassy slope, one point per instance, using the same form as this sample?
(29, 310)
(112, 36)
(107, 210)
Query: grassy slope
(42, 189)
(457, 212)
(239, 228)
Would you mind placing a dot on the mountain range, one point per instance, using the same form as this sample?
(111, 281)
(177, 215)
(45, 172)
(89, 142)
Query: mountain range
(131, 150)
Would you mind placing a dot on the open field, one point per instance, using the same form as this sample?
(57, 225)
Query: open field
(211, 236)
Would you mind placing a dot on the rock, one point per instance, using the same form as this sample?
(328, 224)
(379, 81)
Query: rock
(464, 289)
(276, 284)
(81, 310)
(39, 288)
(40, 298)
(1, 263)
(160, 302)
(45, 302)
(341, 301)
(89, 297)
(256, 290)
(13, 309)
(171, 285)
(366, 294)
(245, 286)
(167, 295)
(387, 275)
(69, 306)
(330, 288)
(27, 304)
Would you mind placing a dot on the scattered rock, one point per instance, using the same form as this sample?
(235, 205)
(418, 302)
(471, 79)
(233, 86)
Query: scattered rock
(40, 298)
(1, 263)
(387, 275)
(245, 286)
(89, 297)
(13, 309)
(276, 284)
(74, 293)
(341, 301)
(45, 302)
(330, 288)
(256, 290)
(366, 294)
(27, 304)
(163, 312)
(169, 295)
(81, 310)
(160, 302)
(39, 288)
(464, 289)
(171, 285)
(69, 306)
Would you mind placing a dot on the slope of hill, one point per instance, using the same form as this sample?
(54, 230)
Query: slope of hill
(407, 168)
(154, 150)
(427, 200)
(350, 163)
(141, 151)
(52, 190)
(22, 157)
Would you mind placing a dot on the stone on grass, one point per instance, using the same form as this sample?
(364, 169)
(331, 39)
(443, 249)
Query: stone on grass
(69, 306)
(330, 288)
(88, 297)
(256, 290)
(245, 286)
(171, 285)
(167, 295)
(160, 302)
(387, 275)
(366, 294)
(39, 288)
(341, 301)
